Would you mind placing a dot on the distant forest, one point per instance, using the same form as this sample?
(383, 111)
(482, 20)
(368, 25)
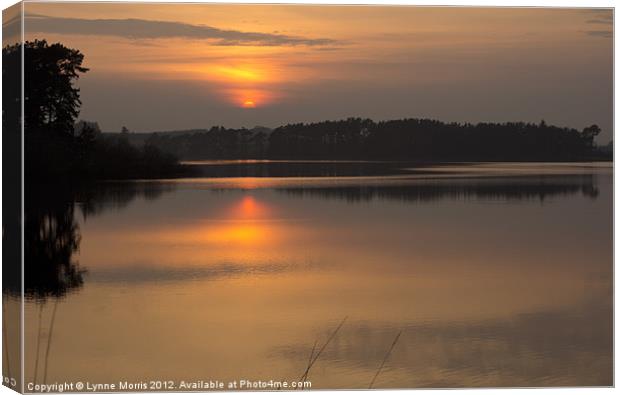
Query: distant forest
(423, 140)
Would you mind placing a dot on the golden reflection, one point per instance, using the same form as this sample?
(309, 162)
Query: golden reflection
(250, 208)
(247, 183)
(240, 234)
(246, 223)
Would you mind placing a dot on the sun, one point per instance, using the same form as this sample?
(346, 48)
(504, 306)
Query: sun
(249, 103)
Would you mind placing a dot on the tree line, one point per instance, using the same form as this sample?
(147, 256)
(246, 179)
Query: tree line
(411, 139)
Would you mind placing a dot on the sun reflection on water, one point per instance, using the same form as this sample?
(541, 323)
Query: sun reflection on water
(250, 208)
(246, 223)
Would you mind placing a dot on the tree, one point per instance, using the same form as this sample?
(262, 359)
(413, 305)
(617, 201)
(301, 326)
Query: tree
(51, 105)
(51, 101)
(588, 134)
(57, 149)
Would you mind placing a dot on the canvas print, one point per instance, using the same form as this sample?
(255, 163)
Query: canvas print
(227, 197)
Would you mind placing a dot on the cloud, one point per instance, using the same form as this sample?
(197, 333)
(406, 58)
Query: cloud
(141, 29)
(603, 17)
(600, 17)
(11, 30)
(600, 33)
(602, 21)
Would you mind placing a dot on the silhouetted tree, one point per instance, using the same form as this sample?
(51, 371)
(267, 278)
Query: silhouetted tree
(51, 104)
(588, 134)
(57, 149)
(51, 101)
(11, 171)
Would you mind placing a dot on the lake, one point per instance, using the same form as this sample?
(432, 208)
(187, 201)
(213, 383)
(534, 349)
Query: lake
(493, 274)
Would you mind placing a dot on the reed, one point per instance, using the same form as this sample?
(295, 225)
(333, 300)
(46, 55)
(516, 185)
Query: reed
(36, 360)
(5, 338)
(312, 352)
(314, 357)
(385, 358)
(49, 341)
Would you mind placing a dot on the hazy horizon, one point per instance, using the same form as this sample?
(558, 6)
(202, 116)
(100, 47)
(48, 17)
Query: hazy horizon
(156, 67)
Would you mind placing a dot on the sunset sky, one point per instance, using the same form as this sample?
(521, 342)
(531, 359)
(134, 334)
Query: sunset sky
(179, 66)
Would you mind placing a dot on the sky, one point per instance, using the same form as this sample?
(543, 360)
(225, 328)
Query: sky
(157, 67)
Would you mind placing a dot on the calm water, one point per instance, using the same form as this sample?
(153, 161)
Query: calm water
(497, 275)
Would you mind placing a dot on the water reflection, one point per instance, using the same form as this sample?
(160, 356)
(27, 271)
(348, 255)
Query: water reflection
(144, 274)
(51, 238)
(274, 168)
(95, 199)
(558, 347)
(322, 168)
(500, 188)
(52, 234)
(509, 294)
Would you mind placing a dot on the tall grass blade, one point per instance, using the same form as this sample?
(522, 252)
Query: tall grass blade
(49, 341)
(315, 357)
(36, 360)
(5, 337)
(387, 355)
